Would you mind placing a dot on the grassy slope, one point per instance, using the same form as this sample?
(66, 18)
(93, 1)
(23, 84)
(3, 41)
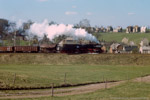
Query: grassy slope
(63, 59)
(136, 37)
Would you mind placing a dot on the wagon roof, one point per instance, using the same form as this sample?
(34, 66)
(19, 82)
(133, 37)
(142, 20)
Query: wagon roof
(48, 45)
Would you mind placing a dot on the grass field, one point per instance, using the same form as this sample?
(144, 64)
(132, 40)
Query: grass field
(126, 91)
(36, 70)
(40, 70)
(136, 37)
(44, 75)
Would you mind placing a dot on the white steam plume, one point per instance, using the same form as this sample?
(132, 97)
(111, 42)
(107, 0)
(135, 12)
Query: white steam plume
(53, 31)
(19, 24)
(15, 25)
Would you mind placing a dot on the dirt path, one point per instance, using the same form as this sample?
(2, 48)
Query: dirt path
(59, 92)
(66, 91)
(143, 79)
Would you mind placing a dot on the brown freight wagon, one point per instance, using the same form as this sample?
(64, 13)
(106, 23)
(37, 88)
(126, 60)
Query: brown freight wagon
(6, 49)
(48, 48)
(27, 49)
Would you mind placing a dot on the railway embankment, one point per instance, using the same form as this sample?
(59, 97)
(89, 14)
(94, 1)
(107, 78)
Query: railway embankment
(65, 59)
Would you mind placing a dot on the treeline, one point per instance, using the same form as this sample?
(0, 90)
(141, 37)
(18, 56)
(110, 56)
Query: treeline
(13, 33)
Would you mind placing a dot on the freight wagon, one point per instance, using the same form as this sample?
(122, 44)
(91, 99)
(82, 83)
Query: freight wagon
(26, 49)
(48, 48)
(6, 49)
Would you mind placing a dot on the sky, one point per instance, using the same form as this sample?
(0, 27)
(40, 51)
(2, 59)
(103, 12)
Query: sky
(99, 12)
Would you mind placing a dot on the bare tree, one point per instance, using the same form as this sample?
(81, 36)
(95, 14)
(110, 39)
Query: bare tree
(84, 23)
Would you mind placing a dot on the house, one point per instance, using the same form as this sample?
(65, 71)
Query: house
(129, 29)
(116, 48)
(104, 49)
(102, 29)
(144, 42)
(125, 40)
(145, 49)
(136, 29)
(143, 29)
(131, 43)
(97, 30)
(130, 49)
(109, 29)
(106, 46)
(118, 29)
(90, 29)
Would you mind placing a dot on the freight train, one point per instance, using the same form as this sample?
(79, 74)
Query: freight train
(69, 45)
(66, 48)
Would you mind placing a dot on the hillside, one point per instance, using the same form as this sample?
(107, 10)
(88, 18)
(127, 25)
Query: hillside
(136, 37)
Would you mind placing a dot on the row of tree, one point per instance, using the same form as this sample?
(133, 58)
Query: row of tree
(13, 34)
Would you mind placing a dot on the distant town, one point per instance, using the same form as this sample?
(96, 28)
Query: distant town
(129, 29)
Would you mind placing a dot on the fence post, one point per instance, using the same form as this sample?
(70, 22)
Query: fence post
(52, 90)
(103, 79)
(141, 77)
(106, 84)
(127, 77)
(65, 78)
(14, 81)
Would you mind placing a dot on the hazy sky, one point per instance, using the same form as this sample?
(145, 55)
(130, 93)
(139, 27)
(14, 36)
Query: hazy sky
(99, 12)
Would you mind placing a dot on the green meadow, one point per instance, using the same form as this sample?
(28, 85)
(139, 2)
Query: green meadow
(136, 37)
(41, 70)
(44, 75)
(126, 91)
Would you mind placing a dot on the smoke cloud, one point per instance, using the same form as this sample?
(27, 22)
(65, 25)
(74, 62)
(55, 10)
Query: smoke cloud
(53, 31)
(19, 24)
(15, 25)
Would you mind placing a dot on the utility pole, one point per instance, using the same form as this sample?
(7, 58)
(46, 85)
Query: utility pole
(29, 40)
(15, 38)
